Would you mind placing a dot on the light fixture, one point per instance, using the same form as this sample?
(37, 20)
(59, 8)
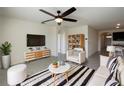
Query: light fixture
(108, 36)
(59, 20)
(117, 26)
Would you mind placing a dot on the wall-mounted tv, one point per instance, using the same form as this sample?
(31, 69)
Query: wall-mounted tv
(35, 40)
(118, 36)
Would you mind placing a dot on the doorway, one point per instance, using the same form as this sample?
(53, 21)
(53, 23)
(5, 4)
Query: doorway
(106, 40)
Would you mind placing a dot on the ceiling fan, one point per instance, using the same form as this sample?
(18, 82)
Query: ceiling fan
(61, 16)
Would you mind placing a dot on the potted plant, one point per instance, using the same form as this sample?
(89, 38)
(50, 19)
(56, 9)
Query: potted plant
(5, 49)
(55, 64)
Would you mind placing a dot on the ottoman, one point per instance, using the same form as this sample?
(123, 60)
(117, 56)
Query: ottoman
(16, 74)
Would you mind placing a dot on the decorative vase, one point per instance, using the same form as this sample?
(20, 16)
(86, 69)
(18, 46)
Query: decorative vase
(6, 60)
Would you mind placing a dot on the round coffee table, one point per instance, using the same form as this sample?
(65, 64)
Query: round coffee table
(62, 69)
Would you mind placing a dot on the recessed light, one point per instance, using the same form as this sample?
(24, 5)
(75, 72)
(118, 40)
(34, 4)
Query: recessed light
(118, 24)
(117, 27)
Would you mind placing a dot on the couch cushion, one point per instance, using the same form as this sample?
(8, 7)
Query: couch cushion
(78, 49)
(76, 52)
(99, 77)
(73, 58)
(97, 81)
(103, 60)
(121, 70)
(102, 71)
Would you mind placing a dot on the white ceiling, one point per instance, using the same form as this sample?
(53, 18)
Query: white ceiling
(100, 18)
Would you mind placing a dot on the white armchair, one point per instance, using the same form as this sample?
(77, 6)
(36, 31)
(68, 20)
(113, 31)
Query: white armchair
(76, 55)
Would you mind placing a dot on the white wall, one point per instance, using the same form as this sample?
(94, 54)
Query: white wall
(80, 30)
(15, 31)
(110, 31)
(92, 41)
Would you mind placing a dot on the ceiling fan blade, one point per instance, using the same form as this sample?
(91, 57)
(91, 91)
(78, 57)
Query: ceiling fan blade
(69, 19)
(47, 21)
(47, 12)
(71, 10)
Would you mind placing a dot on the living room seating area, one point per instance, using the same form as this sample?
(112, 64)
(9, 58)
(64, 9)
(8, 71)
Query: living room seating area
(75, 48)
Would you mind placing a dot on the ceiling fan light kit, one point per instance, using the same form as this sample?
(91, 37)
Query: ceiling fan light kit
(60, 18)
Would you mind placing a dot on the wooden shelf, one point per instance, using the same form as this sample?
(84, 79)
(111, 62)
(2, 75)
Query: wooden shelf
(76, 41)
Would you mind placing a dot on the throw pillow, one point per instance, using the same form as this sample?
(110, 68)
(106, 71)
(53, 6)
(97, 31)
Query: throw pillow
(112, 64)
(111, 81)
(116, 75)
(113, 67)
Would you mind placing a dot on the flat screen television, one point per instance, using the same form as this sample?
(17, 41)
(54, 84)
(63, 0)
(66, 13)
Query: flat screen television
(118, 36)
(35, 40)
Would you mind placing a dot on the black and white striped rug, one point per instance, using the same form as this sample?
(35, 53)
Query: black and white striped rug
(77, 76)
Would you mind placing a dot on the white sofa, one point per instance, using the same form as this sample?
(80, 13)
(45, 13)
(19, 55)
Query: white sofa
(76, 55)
(102, 72)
